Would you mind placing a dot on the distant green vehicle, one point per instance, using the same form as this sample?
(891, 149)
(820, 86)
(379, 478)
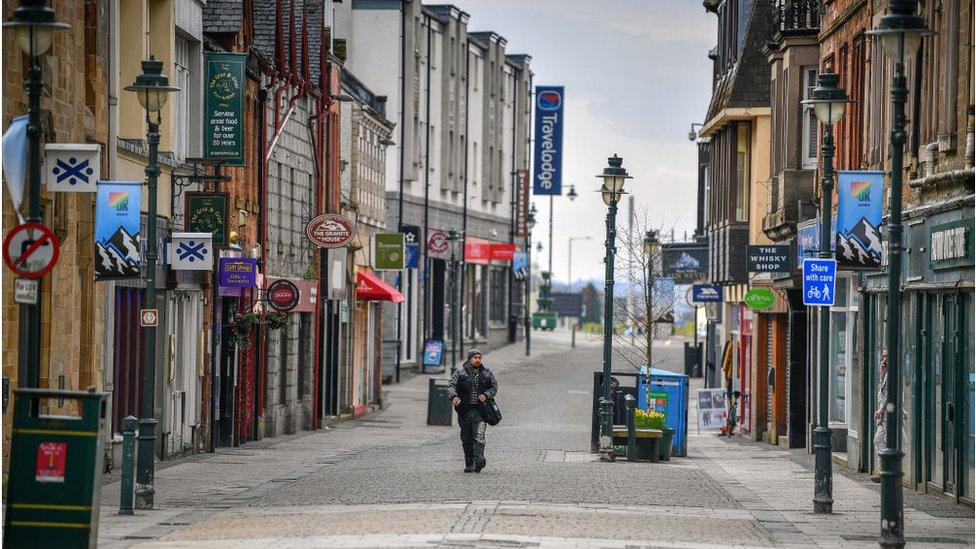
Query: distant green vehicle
(545, 321)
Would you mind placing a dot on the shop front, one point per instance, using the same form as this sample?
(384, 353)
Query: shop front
(936, 352)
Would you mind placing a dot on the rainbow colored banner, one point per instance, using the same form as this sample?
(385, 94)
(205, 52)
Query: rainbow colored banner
(118, 251)
(858, 232)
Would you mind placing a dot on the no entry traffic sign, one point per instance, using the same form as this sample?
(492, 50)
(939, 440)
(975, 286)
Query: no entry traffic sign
(31, 250)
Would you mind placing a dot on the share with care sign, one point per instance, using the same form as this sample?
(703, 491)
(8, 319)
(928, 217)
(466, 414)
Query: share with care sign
(191, 252)
(72, 167)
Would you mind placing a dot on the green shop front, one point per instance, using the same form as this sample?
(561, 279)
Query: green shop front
(936, 349)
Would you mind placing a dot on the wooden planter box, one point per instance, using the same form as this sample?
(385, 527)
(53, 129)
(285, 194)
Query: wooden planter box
(647, 442)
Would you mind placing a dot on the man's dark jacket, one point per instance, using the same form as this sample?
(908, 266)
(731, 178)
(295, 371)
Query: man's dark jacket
(462, 386)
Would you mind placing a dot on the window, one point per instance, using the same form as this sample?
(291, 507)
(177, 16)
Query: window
(810, 126)
(181, 132)
(843, 349)
(496, 295)
(742, 172)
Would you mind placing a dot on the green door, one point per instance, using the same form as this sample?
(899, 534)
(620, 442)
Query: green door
(951, 369)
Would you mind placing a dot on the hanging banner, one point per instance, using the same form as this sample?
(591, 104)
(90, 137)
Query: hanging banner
(548, 156)
(72, 167)
(858, 229)
(477, 250)
(15, 160)
(388, 252)
(117, 246)
(207, 213)
(522, 204)
(223, 112)
(520, 264)
(411, 246)
(191, 252)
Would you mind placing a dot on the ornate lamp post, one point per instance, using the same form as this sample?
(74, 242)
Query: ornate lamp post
(828, 102)
(900, 32)
(651, 246)
(34, 25)
(152, 88)
(527, 320)
(614, 176)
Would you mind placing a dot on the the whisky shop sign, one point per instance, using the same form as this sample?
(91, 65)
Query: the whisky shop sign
(223, 131)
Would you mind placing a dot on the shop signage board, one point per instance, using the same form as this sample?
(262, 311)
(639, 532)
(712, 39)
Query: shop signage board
(819, 282)
(207, 213)
(330, 230)
(388, 252)
(547, 179)
(237, 272)
(685, 263)
(149, 318)
(336, 287)
(437, 244)
(706, 293)
(72, 167)
(223, 113)
(522, 204)
(760, 299)
(191, 252)
(433, 353)
(951, 244)
(500, 251)
(118, 252)
(770, 258)
(858, 229)
(283, 295)
(31, 250)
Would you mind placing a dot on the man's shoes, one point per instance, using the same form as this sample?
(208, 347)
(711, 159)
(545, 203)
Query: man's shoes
(468, 466)
(479, 464)
(876, 478)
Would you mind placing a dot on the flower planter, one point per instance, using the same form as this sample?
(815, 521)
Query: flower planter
(648, 442)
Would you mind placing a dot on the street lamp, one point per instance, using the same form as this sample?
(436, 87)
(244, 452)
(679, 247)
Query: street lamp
(526, 313)
(571, 195)
(900, 31)
(614, 176)
(828, 102)
(34, 25)
(152, 89)
(651, 246)
(453, 237)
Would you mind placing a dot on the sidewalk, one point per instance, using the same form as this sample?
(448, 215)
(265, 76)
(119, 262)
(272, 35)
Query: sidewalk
(192, 489)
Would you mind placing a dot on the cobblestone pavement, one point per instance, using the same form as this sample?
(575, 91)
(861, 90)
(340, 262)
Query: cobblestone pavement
(389, 480)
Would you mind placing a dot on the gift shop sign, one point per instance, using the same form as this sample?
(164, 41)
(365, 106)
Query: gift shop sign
(237, 272)
(330, 230)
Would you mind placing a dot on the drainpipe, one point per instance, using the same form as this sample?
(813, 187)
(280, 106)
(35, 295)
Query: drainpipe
(970, 144)
(262, 165)
(929, 162)
(401, 103)
(464, 206)
(426, 258)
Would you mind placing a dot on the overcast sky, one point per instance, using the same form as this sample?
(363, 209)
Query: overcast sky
(637, 75)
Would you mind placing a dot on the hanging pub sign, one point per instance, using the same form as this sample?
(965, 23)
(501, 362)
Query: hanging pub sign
(770, 258)
(547, 179)
(237, 272)
(72, 167)
(522, 204)
(388, 252)
(223, 113)
(330, 230)
(207, 213)
(191, 252)
(117, 223)
(283, 295)
(685, 262)
(858, 227)
(437, 244)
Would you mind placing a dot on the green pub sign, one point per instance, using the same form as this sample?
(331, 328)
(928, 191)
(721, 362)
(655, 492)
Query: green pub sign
(388, 252)
(207, 213)
(951, 244)
(223, 130)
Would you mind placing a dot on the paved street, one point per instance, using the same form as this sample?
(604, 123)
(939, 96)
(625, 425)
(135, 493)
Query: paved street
(390, 480)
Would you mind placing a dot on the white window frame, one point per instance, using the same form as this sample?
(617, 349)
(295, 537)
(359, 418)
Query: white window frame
(808, 153)
(182, 69)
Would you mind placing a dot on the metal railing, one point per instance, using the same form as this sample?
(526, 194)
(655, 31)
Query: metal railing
(795, 16)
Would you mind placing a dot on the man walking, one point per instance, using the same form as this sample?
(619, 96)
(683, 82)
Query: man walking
(472, 385)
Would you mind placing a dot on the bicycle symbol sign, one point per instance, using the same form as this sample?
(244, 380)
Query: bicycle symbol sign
(819, 282)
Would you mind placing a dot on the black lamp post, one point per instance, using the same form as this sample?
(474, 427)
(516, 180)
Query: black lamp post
(453, 237)
(828, 102)
(651, 246)
(152, 88)
(34, 25)
(527, 317)
(614, 176)
(900, 32)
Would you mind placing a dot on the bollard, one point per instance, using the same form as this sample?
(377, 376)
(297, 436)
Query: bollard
(631, 428)
(128, 465)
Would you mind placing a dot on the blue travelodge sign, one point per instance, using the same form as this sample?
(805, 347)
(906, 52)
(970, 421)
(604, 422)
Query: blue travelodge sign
(548, 157)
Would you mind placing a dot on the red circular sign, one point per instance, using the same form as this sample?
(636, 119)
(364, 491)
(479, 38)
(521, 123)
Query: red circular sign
(283, 295)
(330, 230)
(437, 243)
(31, 250)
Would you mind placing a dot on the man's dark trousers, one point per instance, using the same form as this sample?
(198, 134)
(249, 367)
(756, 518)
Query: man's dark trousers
(473, 429)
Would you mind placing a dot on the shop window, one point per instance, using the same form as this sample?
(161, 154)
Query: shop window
(843, 350)
(742, 173)
(497, 296)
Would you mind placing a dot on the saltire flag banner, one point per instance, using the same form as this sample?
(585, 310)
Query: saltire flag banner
(191, 252)
(548, 157)
(72, 167)
(117, 225)
(858, 229)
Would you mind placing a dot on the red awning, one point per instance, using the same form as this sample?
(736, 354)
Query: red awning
(369, 287)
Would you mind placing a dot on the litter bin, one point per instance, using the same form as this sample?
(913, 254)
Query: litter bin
(669, 393)
(55, 475)
(439, 409)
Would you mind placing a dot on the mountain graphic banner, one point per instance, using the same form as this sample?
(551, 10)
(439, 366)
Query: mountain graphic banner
(858, 232)
(117, 226)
